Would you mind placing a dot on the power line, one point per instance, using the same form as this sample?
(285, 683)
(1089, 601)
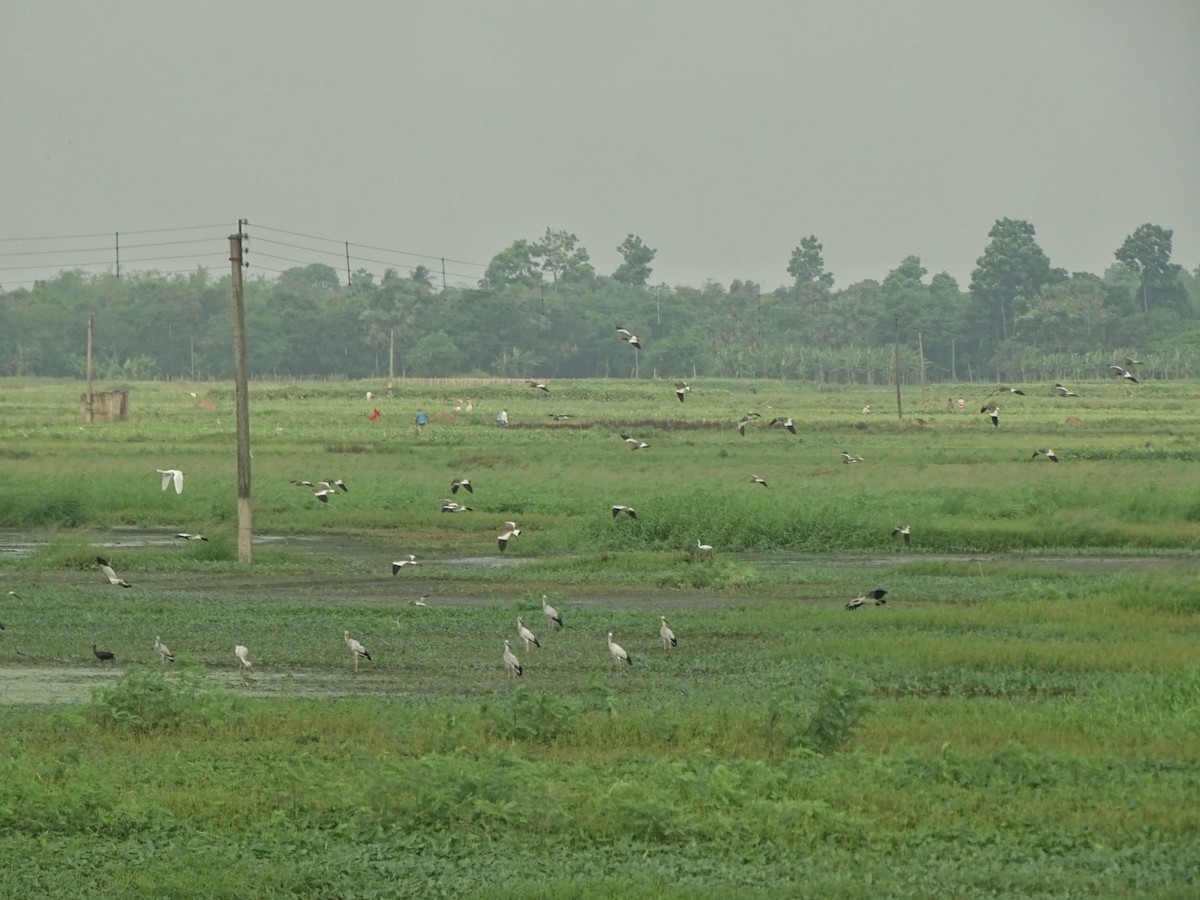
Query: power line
(98, 234)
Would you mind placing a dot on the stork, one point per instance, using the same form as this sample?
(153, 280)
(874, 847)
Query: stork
(754, 479)
(1063, 392)
(1122, 373)
(538, 385)
(618, 653)
(621, 508)
(511, 662)
(111, 575)
(526, 635)
(904, 532)
(163, 652)
(243, 656)
(681, 388)
(875, 596)
(667, 635)
(170, 476)
(1048, 453)
(407, 560)
(357, 650)
(452, 506)
(464, 483)
(551, 613)
(188, 536)
(629, 337)
(992, 410)
(848, 458)
(633, 443)
(783, 422)
(504, 537)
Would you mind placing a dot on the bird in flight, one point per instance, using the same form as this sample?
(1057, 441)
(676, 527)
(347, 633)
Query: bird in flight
(504, 537)
(1005, 390)
(633, 443)
(628, 510)
(464, 483)
(681, 388)
(407, 560)
(783, 422)
(992, 410)
(629, 337)
(171, 476)
(1063, 392)
(754, 479)
(188, 536)
(538, 385)
(1048, 453)
(450, 506)
(904, 532)
(1123, 373)
(875, 596)
(1132, 362)
(111, 575)
(848, 458)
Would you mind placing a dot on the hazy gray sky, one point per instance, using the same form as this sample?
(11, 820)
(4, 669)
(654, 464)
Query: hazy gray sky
(721, 133)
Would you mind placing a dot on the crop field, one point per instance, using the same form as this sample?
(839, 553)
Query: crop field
(1020, 717)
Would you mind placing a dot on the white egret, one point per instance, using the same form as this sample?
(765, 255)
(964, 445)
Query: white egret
(170, 476)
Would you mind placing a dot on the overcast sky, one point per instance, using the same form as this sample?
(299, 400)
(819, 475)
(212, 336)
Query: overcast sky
(721, 133)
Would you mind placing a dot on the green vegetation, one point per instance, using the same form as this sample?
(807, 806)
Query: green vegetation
(1022, 718)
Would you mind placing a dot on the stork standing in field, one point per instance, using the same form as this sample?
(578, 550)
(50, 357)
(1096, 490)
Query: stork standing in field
(618, 653)
(875, 596)
(162, 650)
(243, 656)
(551, 613)
(526, 635)
(357, 650)
(666, 634)
(171, 476)
(511, 662)
(110, 574)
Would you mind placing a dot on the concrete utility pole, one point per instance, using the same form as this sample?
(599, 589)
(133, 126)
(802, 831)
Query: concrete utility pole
(896, 366)
(89, 410)
(236, 242)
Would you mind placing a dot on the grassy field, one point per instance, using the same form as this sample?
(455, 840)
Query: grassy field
(1022, 718)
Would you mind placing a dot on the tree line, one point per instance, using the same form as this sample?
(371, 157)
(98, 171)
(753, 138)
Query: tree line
(542, 310)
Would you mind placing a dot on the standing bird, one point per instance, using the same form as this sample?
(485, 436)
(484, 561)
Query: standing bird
(848, 458)
(163, 652)
(551, 613)
(243, 656)
(704, 549)
(904, 532)
(629, 337)
(526, 635)
(1063, 392)
(783, 422)
(754, 479)
(511, 662)
(169, 476)
(628, 510)
(112, 576)
(103, 655)
(993, 411)
(618, 653)
(357, 650)
(681, 388)
(633, 443)
(667, 635)
(1122, 373)
(862, 599)
(538, 385)
(406, 560)
(464, 483)
(1048, 453)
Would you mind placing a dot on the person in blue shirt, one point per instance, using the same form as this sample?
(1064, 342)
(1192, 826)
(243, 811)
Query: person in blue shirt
(422, 420)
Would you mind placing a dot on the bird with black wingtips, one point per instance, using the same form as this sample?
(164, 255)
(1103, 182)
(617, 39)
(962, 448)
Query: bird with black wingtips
(1063, 392)
(450, 506)
(560, 417)
(464, 483)
(162, 650)
(551, 613)
(848, 457)
(634, 443)
(681, 389)
(188, 536)
(628, 510)
(510, 661)
(504, 537)
(754, 479)
(783, 422)
(407, 560)
(629, 337)
(993, 411)
(618, 653)
(104, 655)
(357, 650)
(1122, 373)
(666, 635)
(905, 532)
(538, 385)
(1132, 362)
(1005, 390)
(1047, 452)
(337, 483)
(526, 635)
(876, 596)
(110, 574)
(245, 667)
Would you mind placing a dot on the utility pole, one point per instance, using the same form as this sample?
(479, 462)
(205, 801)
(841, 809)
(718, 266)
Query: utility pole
(347, 264)
(392, 355)
(236, 243)
(117, 238)
(921, 354)
(88, 412)
(443, 276)
(896, 367)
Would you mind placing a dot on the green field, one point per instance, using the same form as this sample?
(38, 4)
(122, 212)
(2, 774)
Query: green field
(1022, 717)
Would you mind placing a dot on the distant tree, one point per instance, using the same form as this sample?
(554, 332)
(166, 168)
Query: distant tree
(1067, 316)
(436, 356)
(1147, 252)
(1008, 277)
(516, 264)
(807, 267)
(564, 259)
(314, 276)
(637, 257)
(422, 276)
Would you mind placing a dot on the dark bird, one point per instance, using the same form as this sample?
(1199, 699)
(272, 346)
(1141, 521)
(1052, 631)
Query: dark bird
(681, 388)
(103, 655)
(783, 422)
(538, 385)
(904, 532)
(993, 411)
(1121, 373)
(110, 574)
(1048, 453)
(629, 337)
(862, 599)
(464, 483)
(754, 479)
(628, 510)
(1063, 392)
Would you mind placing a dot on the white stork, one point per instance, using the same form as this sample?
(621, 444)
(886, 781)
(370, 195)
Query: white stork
(667, 635)
(621, 508)
(526, 635)
(754, 479)
(551, 613)
(1123, 373)
(848, 458)
(904, 532)
(504, 537)
(111, 575)
(1063, 392)
(510, 661)
(1048, 453)
(538, 385)
(407, 560)
(162, 650)
(170, 476)
(629, 337)
(875, 596)
(188, 536)
(681, 388)
(357, 650)
(992, 410)
(633, 443)
(618, 653)
(464, 483)
(783, 422)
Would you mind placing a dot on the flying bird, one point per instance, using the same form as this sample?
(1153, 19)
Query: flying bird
(904, 532)
(504, 537)
(170, 476)
(188, 536)
(511, 662)
(629, 337)
(783, 422)
(357, 650)
(464, 483)
(1063, 392)
(618, 653)
(406, 560)
(1048, 453)
(993, 411)
(754, 479)
(1004, 390)
(667, 635)
(742, 423)
(560, 417)
(163, 652)
(104, 655)
(551, 613)
(538, 385)
(848, 458)
(681, 388)
(321, 489)
(633, 443)
(628, 510)
(449, 506)
(15, 594)
(863, 599)
(526, 635)
(112, 576)
(1122, 373)
(1132, 362)
(337, 483)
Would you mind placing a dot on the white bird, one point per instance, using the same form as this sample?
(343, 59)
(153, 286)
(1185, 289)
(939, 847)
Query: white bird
(420, 601)
(904, 532)
(551, 613)
(321, 489)
(161, 649)
(848, 458)
(618, 652)
(783, 422)
(243, 656)
(743, 422)
(357, 650)
(704, 549)
(1002, 390)
(187, 536)
(1063, 392)
(1132, 362)
(16, 595)
(464, 483)
(1048, 453)
(452, 506)
(875, 596)
(633, 443)
(406, 560)
(526, 635)
(504, 537)
(681, 388)
(630, 337)
(992, 410)
(337, 483)
(754, 479)
(112, 576)
(511, 662)
(667, 635)
(1122, 373)
(628, 510)
(538, 385)
(169, 476)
